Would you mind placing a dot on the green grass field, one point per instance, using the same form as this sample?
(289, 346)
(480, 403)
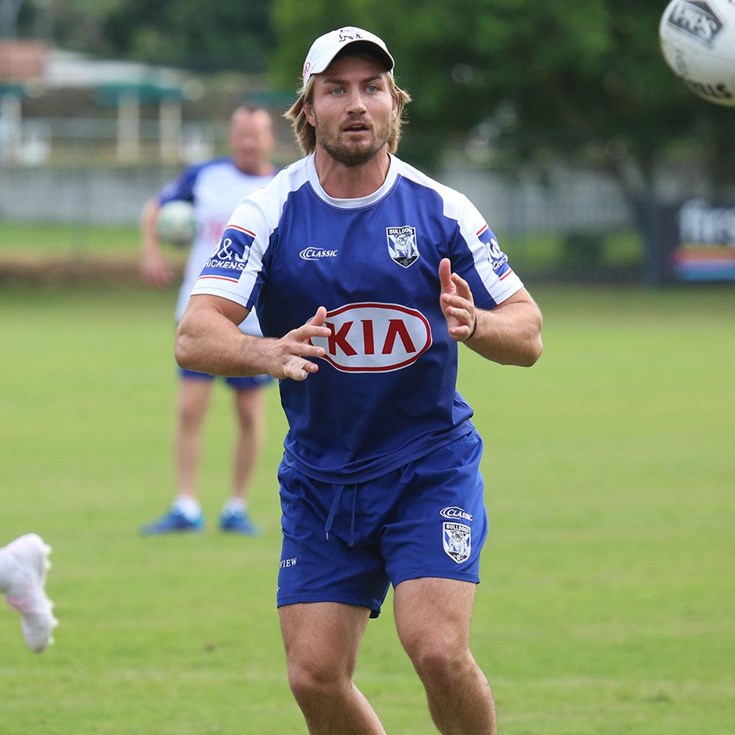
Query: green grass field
(607, 602)
(38, 239)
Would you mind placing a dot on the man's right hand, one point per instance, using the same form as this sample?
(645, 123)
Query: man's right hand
(291, 352)
(156, 270)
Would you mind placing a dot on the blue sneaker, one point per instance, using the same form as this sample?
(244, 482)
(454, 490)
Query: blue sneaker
(173, 521)
(238, 521)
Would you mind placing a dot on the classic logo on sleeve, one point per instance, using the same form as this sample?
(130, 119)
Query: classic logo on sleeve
(374, 337)
(231, 256)
(498, 259)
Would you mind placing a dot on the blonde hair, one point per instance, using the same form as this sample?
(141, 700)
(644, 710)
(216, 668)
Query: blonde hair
(305, 133)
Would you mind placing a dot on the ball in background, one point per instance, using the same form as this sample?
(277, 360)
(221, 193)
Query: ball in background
(176, 223)
(698, 43)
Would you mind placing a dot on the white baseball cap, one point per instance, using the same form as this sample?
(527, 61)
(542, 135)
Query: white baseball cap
(326, 47)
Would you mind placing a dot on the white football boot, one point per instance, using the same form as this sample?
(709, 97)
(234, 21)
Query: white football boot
(25, 563)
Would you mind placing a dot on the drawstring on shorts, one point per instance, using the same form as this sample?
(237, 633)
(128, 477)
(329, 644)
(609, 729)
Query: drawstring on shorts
(334, 507)
(354, 513)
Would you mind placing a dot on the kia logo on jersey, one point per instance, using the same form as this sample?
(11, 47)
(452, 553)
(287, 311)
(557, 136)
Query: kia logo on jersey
(371, 337)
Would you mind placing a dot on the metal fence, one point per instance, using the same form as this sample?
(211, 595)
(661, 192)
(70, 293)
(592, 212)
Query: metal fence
(571, 200)
(580, 200)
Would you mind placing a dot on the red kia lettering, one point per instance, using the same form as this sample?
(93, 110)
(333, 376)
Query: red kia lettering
(374, 337)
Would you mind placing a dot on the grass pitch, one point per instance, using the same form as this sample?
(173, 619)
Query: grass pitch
(607, 601)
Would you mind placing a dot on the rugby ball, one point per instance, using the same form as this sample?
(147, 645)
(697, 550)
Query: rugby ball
(698, 43)
(176, 223)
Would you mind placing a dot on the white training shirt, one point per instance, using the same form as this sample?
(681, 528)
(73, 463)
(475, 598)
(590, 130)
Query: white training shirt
(214, 188)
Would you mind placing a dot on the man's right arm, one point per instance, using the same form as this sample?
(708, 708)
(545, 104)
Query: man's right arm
(209, 341)
(154, 266)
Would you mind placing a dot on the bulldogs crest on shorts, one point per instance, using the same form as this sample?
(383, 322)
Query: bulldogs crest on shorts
(457, 540)
(402, 245)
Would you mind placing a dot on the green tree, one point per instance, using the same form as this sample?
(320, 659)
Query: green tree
(195, 34)
(575, 80)
(226, 34)
(72, 24)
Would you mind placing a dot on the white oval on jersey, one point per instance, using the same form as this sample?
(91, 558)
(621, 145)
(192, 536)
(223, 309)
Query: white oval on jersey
(373, 337)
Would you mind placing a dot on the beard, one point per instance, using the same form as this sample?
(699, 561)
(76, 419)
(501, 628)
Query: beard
(351, 154)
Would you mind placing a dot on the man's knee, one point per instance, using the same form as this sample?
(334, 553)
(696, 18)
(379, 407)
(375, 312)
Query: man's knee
(440, 661)
(314, 682)
(192, 406)
(248, 421)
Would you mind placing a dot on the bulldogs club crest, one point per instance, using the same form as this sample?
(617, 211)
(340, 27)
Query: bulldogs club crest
(402, 245)
(457, 539)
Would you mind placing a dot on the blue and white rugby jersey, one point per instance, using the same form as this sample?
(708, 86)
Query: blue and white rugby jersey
(214, 188)
(385, 392)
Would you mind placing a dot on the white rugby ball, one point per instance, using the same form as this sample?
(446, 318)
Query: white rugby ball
(176, 223)
(698, 43)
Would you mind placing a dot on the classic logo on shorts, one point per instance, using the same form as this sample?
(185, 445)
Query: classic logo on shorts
(454, 512)
(402, 245)
(231, 256)
(374, 337)
(457, 540)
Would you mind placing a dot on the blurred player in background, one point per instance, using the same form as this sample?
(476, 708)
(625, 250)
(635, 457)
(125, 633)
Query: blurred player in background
(366, 275)
(214, 188)
(23, 566)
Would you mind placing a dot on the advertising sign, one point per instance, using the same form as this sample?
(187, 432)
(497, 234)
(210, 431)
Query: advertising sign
(703, 239)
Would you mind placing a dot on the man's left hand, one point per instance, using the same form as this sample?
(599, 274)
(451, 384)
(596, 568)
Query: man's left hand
(457, 303)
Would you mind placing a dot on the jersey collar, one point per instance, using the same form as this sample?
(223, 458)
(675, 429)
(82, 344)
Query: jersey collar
(377, 195)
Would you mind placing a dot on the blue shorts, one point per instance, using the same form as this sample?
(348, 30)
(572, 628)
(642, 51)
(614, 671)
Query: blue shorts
(348, 543)
(243, 383)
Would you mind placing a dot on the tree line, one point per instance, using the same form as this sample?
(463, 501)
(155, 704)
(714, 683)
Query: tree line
(535, 83)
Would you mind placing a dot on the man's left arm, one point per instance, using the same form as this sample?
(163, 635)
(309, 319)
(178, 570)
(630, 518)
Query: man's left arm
(509, 334)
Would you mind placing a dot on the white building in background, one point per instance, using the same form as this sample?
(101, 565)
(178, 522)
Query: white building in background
(28, 69)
